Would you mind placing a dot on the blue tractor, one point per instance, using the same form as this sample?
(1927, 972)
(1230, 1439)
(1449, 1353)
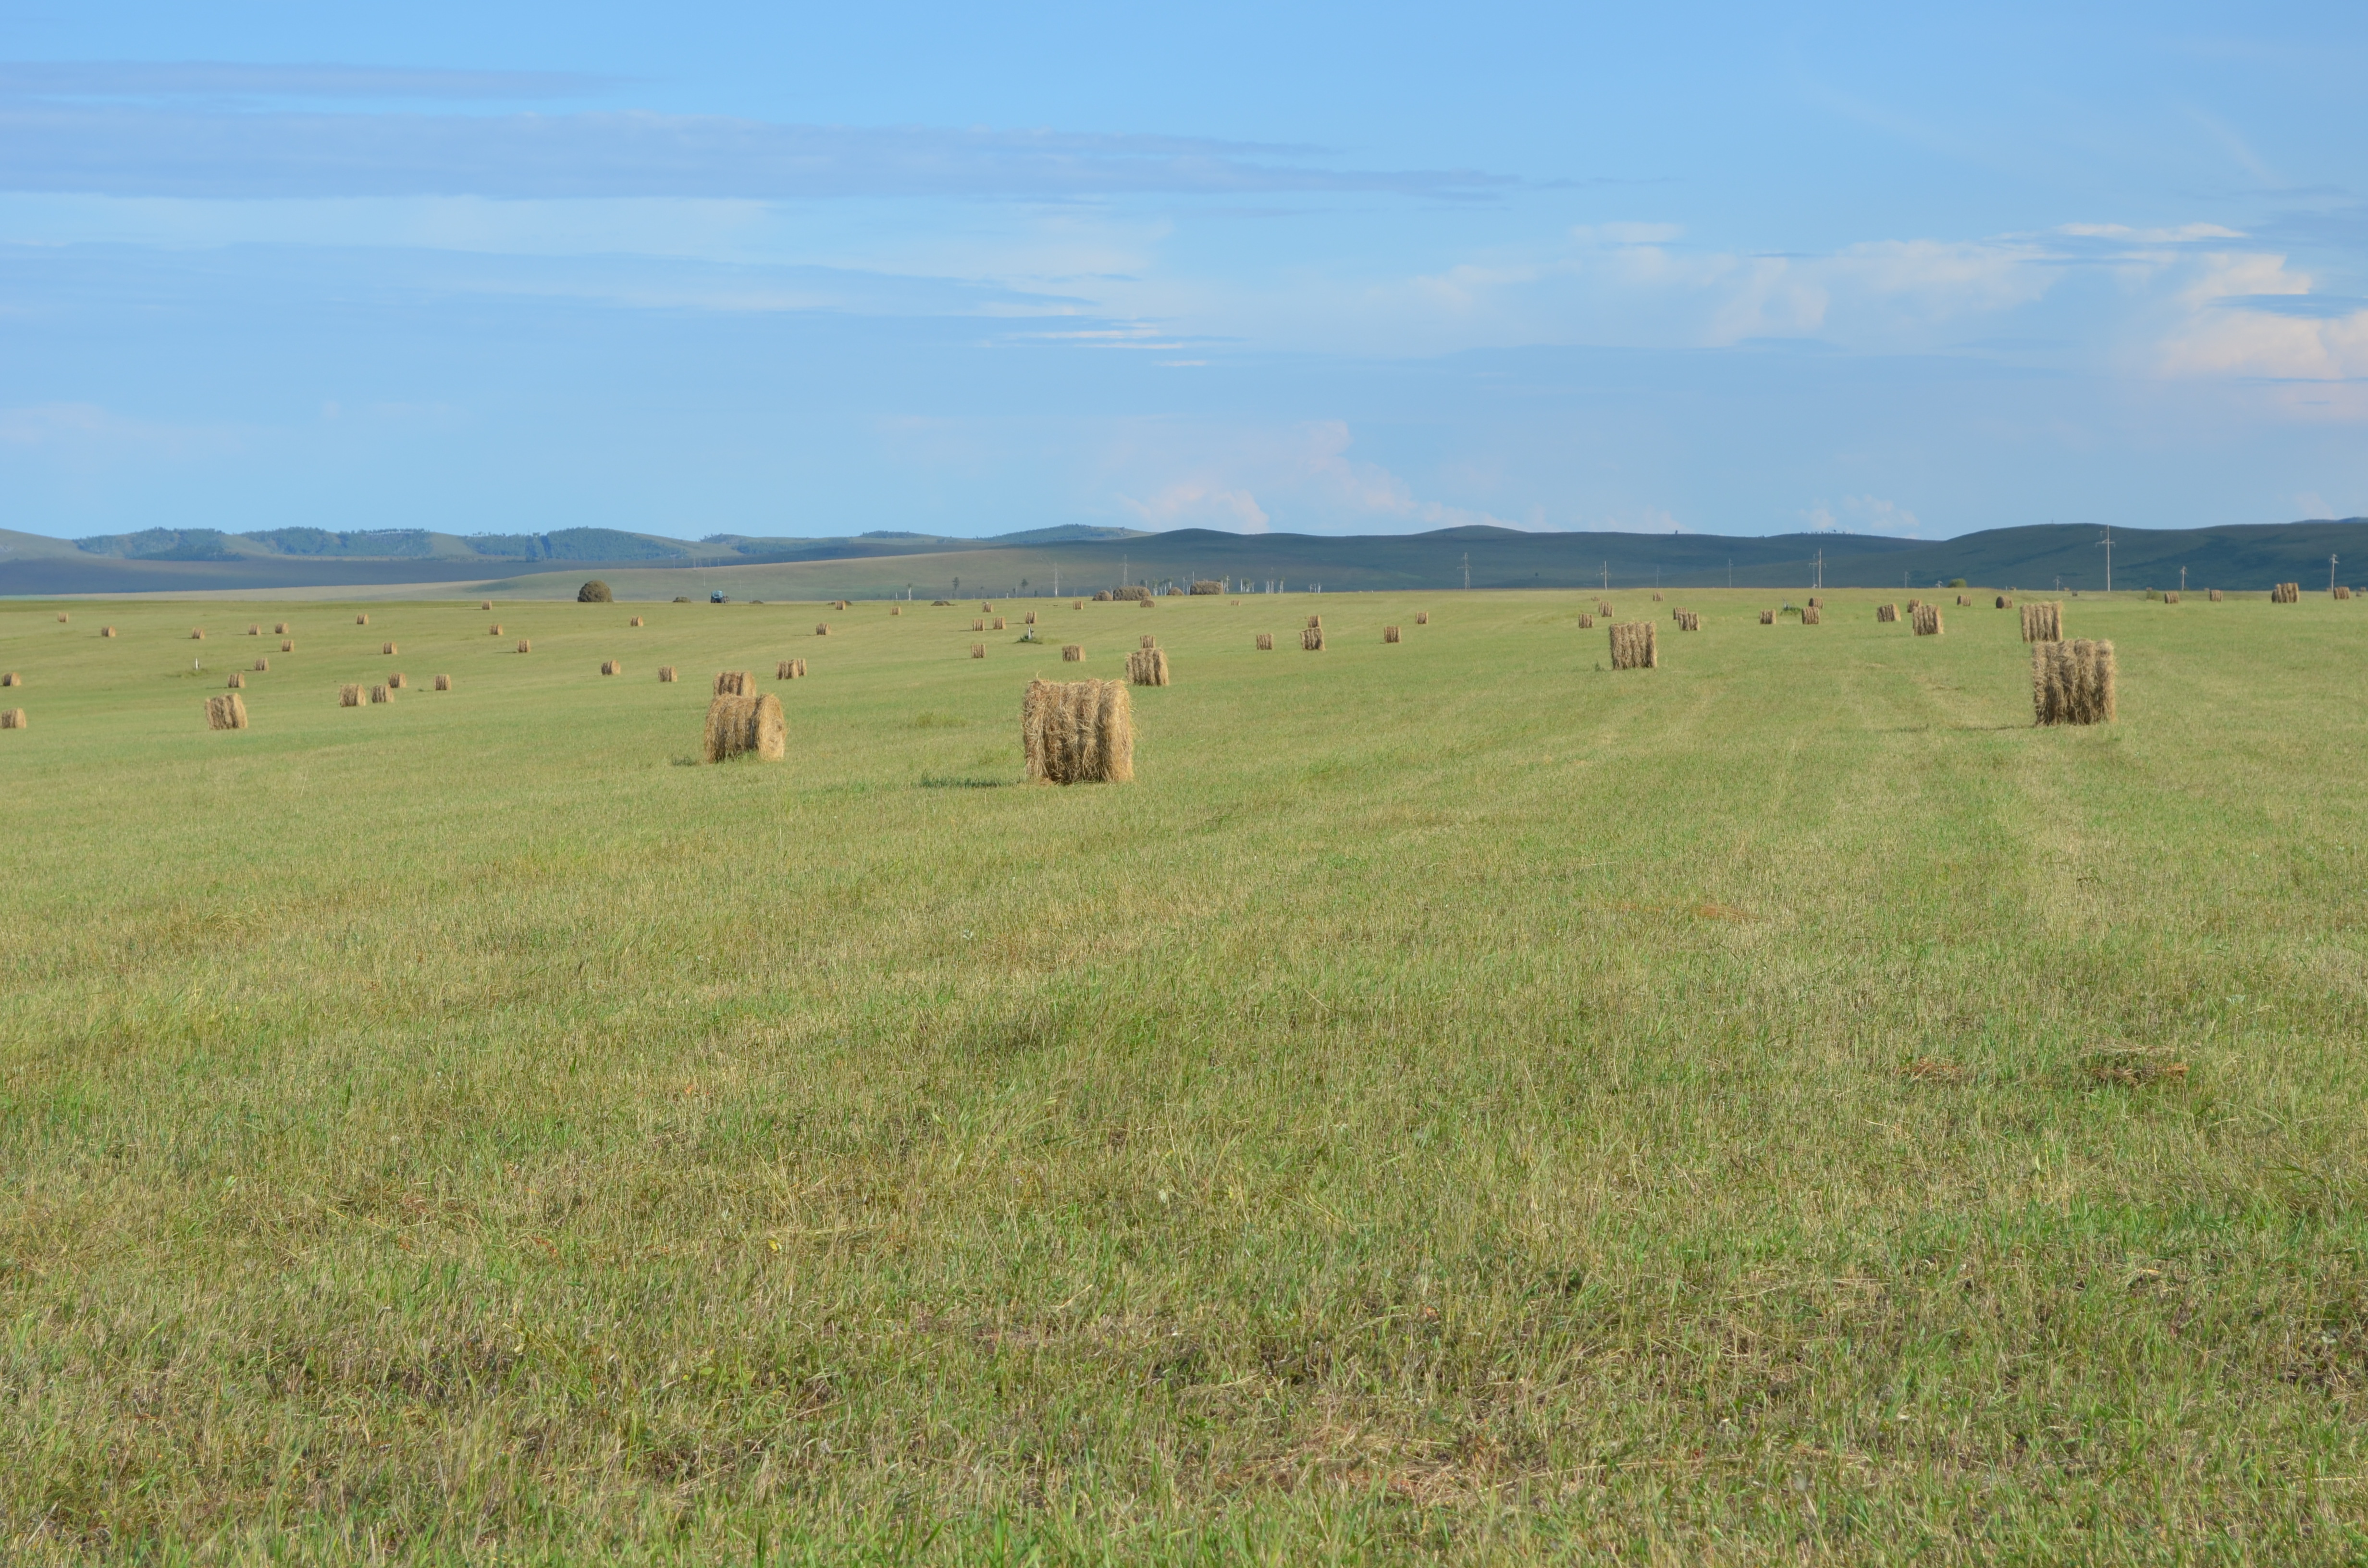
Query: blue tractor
(716, 598)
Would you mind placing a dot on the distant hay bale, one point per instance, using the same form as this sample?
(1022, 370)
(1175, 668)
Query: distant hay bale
(1886, 612)
(1927, 620)
(1767, 618)
(14, 718)
(381, 693)
(838, 604)
(349, 697)
(2072, 683)
(1073, 653)
(1915, 605)
(1076, 603)
(1422, 618)
(62, 617)
(485, 603)
(1632, 646)
(999, 624)
(280, 629)
(1389, 634)
(1203, 586)
(2043, 622)
(2004, 602)
(1816, 604)
(746, 726)
(1147, 667)
(1145, 603)
(197, 635)
(12, 678)
(1317, 621)
(287, 645)
(1689, 620)
(735, 683)
(1102, 597)
(2171, 596)
(635, 621)
(262, 664)
(978, 650)
(2286, 593)
(396, 682)
(1077, 732)
(2340, 592)
(1027, 619)
(1173, 592)
(790, 669)
(1311, 640)
(226, 712)
(1136, 593)
(979, 625)
(1149, 641)
(1964, 601)
(2212, 596)
(895, 609)
(1657, 597)
(525, 645)
(1603, 608)
(986, 607)
(1811, 614)
(106, 632)
(666, 675)
(443, 683)
(822, 628)
(362, 620)
(613, 666)
(254, 629)
(495, 629)
(387, 650)
(1585, 621)
(237, 680)
(1266, 641)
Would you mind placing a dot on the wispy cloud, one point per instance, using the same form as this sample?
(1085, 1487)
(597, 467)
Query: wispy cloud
(216, 78)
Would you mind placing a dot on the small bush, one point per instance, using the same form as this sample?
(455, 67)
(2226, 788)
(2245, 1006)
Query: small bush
(594, 592)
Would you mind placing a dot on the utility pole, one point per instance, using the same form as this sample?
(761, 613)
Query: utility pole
(2108, 542)
(1821, 570)
(1467, 572)
(1607, 577)
(2330, 577)
(2182, 580)
(1730, 570)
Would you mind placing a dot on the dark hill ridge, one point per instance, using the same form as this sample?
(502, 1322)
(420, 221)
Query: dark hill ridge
(2038, 558)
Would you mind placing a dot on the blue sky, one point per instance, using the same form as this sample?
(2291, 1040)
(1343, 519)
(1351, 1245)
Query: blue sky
(703, 269)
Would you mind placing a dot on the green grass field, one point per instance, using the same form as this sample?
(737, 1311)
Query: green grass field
(1458, 1104)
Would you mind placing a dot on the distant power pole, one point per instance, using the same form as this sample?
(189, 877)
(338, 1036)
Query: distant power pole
(2183, 579)
(2108, 542)
(1607, 577)
(1821, 569)
(1730, 570)
(2330, 575)
(1467, 572)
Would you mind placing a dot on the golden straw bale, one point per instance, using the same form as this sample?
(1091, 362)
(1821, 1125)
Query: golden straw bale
(1657, 597)
(381, 693)
(12, 678)
(495, 629)
(387, 650)
(1915, 605)
(1149, 641)
(2286, 593)
(613, 666)
(1147, 667)
(362, 620)
(1266, 641)
(287, 645)
(2072, 682)
(1632, 646)
(1965, 600)
(485, 603)
(987, 607)
(2043, 622)
(280, 629)
(197, 635)
(1311, 640)
(797, 670)
(1767, 618)
(525, 645)
(14, 718)
(1603, 610)
(2171, 596)
(1816, 604)
(1927, 620)
(1317, 621)
(822, 628)
(978, 650)
(666, 675)
(262, 663)
(1073, 653)
(106, 632)
(2004, 602)
(349, 697)
(1689, 620)
(1027, 619)
(1886, 612)
(746, 726)
(443, 683)
(1077, 732)
(1145, 603)
(1811, 614)
(999, 624)
(635, 621)
(1585, 621)
(895, 609)
(226, 712)
(1102, 597)
(236, 682)
(254, 629)
(2340, 591)
(2212, 596)
(1422, 618)
(1389, 634)
(62, 617)
(838, 604)
(978, 625)
(735, 683)
(1076, 603)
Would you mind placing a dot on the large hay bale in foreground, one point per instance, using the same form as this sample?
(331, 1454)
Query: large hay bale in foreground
(1266, 641)
(1147, 667)
(1927, 620)
(2072, 683)
(1389, 634)
(2043, 622)
(14, 718)
(349, 695)
(1767, 618)
(226, 712)
(1632, 646)
(666, 675)
(746, 726)
(1077, 732)
(2286, 593)
(381, 693)
(1311, 640)
(734, 682)
(443, 683)
(1811, 614)
(1886, 612)
(1073, 653)
(1585, 621)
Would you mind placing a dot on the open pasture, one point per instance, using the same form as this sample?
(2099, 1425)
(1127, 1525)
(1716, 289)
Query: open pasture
(1459, 1103)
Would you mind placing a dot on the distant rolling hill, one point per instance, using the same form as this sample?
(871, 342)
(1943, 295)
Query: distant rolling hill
(1083, 559)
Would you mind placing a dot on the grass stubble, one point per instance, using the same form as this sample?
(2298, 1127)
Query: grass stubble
(1725, 1117)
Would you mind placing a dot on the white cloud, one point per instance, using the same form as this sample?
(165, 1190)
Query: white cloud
(2226, 334)
(1242, 480)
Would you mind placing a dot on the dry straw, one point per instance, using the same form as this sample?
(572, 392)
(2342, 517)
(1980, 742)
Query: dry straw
(1767, 618)
(1927, 620)
(2171, 596)
(2072, 683)
(1317, 621)
(227, 712)
(978, 625)
(1915, 605)
(236, 682)
(262, 663)
(666, 675)
(2043, 622)
(443, 683)
(495, 629)
(106, 632)
(1266, 641)
(1811, 614)
(1422, 618)
(387, 650)
(1311, 640)
(14, 718)
(1149, 641)
(2340, 592)
(62, 617)
(1964, 601)
(1207, 586)
(735, 683)
(838, 604)
(2004, 602)
(1585, 621)
(485, 603)
(287, 645)
(635, 621)
(1102, 597)
(1886, 612)
(254, 629)
(1389, 634)
(1632, 646)
(349, 697)
(2286, 593)
(1077, 732)
(746, 726)
(396, 682)
(613, 666)
(362, 620)
(2212, 596)
(999, 624)
(1076, 603)
(525, 646)
(1603, 608)
(978, 650)
(895, 609)
(1689, 620)
(1145, 602)
(197, 635)
(280, 629)
(12, 678)
(1027, 619)
(1147, 667)
(987, 607)
(1073, 653)
(1656, 599)
(381, 693)
(790, 669)
(822, 628)
(1816, 604)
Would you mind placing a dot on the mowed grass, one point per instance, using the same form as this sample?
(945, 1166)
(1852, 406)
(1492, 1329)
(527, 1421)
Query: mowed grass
(1459, 1104)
